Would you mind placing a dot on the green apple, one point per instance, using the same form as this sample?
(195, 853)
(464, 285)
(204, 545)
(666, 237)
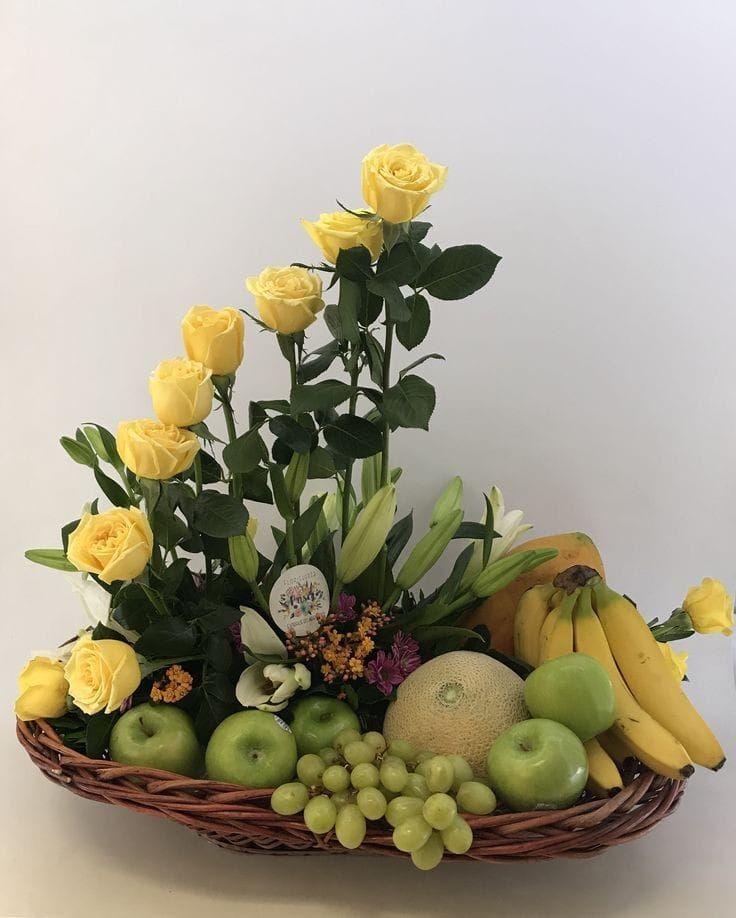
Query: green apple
(575, 690)
(157, 736)
(318, 719)
(537, 764)
(252, 748)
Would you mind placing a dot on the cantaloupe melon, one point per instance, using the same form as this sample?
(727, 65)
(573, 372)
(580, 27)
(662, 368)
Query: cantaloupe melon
(497, 612)
(456, 704)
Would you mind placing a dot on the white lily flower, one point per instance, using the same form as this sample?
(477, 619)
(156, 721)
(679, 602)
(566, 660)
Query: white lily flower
(96, 603)
(270, 686)
(267, 686)
(257, 635)
(509, 527)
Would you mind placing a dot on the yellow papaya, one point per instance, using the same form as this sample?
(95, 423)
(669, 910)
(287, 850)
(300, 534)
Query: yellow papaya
(497, 612)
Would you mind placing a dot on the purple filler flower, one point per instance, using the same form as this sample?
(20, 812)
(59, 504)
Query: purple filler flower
(345, 609)
(126, 705)
(405, 651)
(384, 671)
(234, 630)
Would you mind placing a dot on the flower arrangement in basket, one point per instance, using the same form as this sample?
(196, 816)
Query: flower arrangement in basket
(357, 701)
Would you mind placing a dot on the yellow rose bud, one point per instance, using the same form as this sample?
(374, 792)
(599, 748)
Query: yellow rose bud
(710, 607)
(115, 545)
(154, 450)
(214, 337)
(677, 662)
(343, 230)
(287, 299)
(42, 689)
(101, 674)
(182, 392)
(399, 181)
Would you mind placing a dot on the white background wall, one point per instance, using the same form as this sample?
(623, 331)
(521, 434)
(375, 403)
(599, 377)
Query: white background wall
(154, 154)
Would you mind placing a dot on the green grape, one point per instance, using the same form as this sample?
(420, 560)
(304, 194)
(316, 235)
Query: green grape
(424, 757)
(461, 769)
(349, 735)
(439, 774)
(401, 808)
(343, 797)
(358, 753)
(365, 775)
(289, 799)
(439, 810)
(416, 786)
(329, 756)
(393, 773)
(402, 750)
(476, 798)
(350, 826)
(421, 767)
(309, 769)
(430, 854)
(336, 778)
(320, 814)
(458, 836)
(412, 833)
(376, 741)
(371, 803)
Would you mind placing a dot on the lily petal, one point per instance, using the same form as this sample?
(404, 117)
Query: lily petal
(253, 689)
(259, 636)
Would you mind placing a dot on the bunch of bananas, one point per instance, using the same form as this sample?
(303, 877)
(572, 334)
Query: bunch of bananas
(655, 720)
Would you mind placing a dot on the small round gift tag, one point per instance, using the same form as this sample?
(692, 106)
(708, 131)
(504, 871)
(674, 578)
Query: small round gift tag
(300, 599)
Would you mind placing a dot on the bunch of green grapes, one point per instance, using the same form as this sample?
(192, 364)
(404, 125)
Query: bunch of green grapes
(361, 779)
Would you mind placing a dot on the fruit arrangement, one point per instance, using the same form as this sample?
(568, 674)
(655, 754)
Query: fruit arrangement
(320, 659)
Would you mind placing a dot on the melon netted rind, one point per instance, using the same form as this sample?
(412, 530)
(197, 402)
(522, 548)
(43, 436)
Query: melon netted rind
(457, 704)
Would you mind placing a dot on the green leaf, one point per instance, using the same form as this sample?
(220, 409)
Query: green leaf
(413, 330)
(245, 452)
(431, 633)
(419, 362)
(326, 394)
(78, 451)
(416, 231)
(349, 304)
(255, 486)
(167, 637)
(354, 264)
(317, 362)
(390, 291)
(321, 463)
(219, 515)
(50, 557)
(216, 699)
(111, 489)
(409, 403)
(459, 271)
(283, 502)
(353, 436)
(400, 265)
(133, 609)
(204, 433)
(218, 650)
(151, 490)
(99, 727)
(398, 538)
(103, 443)
(304, 524)
(374, 355)
(450, 587)
(217, 618)
(468, 530)
(291, 432)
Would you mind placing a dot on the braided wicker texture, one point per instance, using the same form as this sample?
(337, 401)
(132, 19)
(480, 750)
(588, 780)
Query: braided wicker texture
(241, 819)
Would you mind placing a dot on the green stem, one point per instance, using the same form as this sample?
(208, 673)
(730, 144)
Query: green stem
(232, 435)
(292, 363)
(290, 550)
(385, 384)
(348, 483)
(198, 474)
(259, 597)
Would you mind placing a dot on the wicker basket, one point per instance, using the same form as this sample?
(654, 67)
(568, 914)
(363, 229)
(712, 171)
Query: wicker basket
(241, 819)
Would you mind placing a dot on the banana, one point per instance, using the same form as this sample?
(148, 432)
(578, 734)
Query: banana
(619, 751)
(647, 675)
(604, 779)
(556, 637)
(649, 740)
(530, 615)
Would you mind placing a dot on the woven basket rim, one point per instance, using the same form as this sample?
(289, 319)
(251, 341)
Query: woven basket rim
(241, 818)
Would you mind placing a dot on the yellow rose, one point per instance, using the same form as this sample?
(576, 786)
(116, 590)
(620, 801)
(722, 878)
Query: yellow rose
(42, 689)
(342, 230)
(182, 392)
(154, 450)
(214, 337)
(399, 181)
(101, 674)
(710, 607)
(115, 545)
(677, 662)
(287, 299)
